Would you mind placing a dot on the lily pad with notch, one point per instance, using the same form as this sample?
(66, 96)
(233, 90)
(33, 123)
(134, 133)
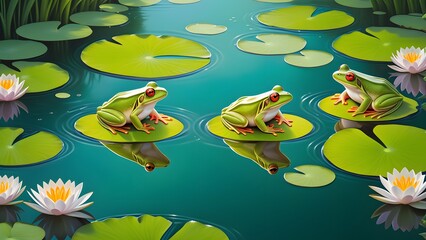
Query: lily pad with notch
(355, 3)
(409, 21)
(20, 231)
(304, 18)
(89, 126)
(138, 3)
(403, 146)
(309, 58)
(300, 128)
(378, 43)
(38, 76)
(205, 28)
(52, 31)
(310, 176)
(272, 44)
(36, 148)
(99, 19)
(113, 7)
(21, 49)
(146, 56)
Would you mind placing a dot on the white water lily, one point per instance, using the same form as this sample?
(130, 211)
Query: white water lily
(412, 60)
(59, 198)
(11, 88)
(10, 189)
(405, 187)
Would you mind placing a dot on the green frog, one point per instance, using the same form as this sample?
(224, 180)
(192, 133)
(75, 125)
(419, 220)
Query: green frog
(132, 107)
(377, 97)
(256, 111)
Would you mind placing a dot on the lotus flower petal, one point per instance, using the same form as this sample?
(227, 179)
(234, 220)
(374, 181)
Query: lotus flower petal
(10, 189)
(411, 60)
(11, 88)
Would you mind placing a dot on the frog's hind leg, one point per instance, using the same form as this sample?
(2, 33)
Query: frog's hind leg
(113, 129)
(394, 102)
(113, 124)
(239, 125)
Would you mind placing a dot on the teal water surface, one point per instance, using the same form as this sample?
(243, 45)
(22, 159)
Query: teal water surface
(206, 180)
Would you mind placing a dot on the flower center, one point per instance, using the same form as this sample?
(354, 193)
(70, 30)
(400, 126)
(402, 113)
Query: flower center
(6, 83)
(3, 187)
(412, 57)
(58, 193)
(404, 183)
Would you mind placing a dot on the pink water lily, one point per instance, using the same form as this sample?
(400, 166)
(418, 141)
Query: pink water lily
(11, 88)
(411, 60)
(10, 189)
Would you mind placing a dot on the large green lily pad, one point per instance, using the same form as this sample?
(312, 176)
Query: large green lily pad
(50, 31)
(146, 56)
(99, 19)
(183, 1)
(145, 227)
(272, 43)
(408, 107)
(205, 28)
(113, 7)
(355, 3)
(21, 49)
(300, 128)
(309, 58)
(38, 76)
(353, 151)
(310, 176)
(89, 126)
(20, 231)
(138, 3)
(32, 149)
(409, 21)
(379, 43)
(301, 18)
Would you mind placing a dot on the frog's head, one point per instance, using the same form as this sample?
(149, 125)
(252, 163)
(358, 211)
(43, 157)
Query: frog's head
(153, 93)
(345, 76)
(278, 97)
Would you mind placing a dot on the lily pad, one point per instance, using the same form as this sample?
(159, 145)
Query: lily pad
(275, 1)
(38, 76)
(113, 7)
(99, 19)
(408, 21)
(300, 128)
(21, 49)
(146, 56)
(32, 149)
(138, 3)
(145, 227)
(62, 95)
(89, 126)
(379, 43)
(408, 107)
(309, 58)
(355, 3)
(20, 231)
(50, 31)
(403, 147)
(272, 43)
(205, 28)
(310, 176)
(183, 1)
(302, 18)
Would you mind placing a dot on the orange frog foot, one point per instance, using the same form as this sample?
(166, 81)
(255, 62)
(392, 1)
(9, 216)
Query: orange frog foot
(244, 131)
(160, 117)
(283, 120)
(124, 129)
(274, 131)
(338, 99)
(147, 128)
(367, 113)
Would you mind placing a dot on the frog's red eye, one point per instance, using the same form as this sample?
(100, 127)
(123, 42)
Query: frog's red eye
(150, 92)
(350, 76)
(274, 97)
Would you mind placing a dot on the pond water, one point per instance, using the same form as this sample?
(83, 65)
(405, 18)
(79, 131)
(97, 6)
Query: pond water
(205, 179)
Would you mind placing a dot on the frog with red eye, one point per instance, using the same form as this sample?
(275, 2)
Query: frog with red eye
(376, 96)
(132, 107)
(256, 111)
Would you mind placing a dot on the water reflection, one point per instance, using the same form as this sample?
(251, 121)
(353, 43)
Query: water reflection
(10, 214)
(10, 110)
(365, 127)
(144, 154)
(412, 83)
(400, 217)
(59, 227)
(266, 154)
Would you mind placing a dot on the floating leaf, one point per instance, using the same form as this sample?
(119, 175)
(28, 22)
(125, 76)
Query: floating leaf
(138, 3)
(272, 43)
(275, 1)
(310, 176)
(408, 21)
(403, 147)
(33, 149)
(112, 7)
(408, 107)
(193, 230)
(50, 31)
(146, 56)
(20, 231)
(100, 19)
(89, 126)
(355, 3)
(205, 28)
(309, 58)
(300, 128)
(183, 1)
(21, 49)
(302, 18)
(38, 76)
(62, 95)
(379, 43)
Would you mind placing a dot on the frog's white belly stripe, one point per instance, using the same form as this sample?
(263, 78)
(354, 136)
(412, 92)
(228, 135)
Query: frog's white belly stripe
(354, 93)
(271, 113)
(146, 111)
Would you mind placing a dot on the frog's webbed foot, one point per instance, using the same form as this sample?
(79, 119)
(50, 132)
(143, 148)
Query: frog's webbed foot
(340, 98)
(367, 113)
(160, 117)
(114, 130)
(244, 131)
(273, 130)
(281, 120)
(146, 128)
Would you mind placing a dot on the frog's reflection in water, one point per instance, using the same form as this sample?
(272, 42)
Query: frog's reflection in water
(366, 127)
(266, 154)
(145, 154)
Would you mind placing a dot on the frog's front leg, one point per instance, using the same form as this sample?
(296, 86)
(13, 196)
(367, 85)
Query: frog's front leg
(155, 116)
(134, 118)
(281, 119)
(264, 128)
(235, 122)
(340, 97)
(386, 104)
(112, 120)
(365, 104)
